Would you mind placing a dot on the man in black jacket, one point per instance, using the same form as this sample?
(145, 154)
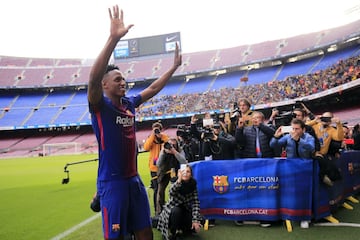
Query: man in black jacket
(255, 139)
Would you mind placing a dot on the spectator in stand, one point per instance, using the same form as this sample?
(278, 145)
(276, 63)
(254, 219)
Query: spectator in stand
(275, 91)
(153, 144)
(170, 158)
(326, 134)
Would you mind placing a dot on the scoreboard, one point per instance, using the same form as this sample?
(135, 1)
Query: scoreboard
(145, 46)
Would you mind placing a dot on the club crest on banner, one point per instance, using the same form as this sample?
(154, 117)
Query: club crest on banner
(220, 184)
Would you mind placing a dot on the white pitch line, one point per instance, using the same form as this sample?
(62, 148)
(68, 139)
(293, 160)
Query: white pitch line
(76, 227)
(338, 224)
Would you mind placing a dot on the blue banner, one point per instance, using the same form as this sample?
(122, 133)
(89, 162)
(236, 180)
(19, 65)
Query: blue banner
(256, 189)
(330, 198)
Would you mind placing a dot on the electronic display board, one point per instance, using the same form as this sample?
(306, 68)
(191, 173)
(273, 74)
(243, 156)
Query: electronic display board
(145, 46)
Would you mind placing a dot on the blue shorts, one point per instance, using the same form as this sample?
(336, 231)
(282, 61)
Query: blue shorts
(124, 206)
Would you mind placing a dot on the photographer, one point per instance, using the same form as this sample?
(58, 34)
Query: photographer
(326, 134)
(153, 144)
(215, 142)
(276, 119)
(170, 158)
(240, 110)
(188, 143)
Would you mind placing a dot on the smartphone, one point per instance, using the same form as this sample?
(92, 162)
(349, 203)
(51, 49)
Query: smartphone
(286, 129)
(208, 122)
(183, 169)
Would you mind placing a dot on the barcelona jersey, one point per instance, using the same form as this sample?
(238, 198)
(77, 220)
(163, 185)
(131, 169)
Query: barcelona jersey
(114, 128)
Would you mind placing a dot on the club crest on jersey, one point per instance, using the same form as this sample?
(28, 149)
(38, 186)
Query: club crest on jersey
(115, 227)
(220, 184)
(125, 121)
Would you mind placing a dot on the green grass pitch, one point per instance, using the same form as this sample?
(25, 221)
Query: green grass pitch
(35, 205)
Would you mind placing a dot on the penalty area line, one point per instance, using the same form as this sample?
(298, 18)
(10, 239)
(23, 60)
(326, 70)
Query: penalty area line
(76, 227)
(337, 224)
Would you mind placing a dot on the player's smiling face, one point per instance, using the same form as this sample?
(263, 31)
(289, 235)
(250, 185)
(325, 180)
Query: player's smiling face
(114, 83)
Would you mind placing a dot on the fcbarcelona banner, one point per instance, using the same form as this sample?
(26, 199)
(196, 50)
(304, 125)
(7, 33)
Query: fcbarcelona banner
(255, 189)
(329, 198)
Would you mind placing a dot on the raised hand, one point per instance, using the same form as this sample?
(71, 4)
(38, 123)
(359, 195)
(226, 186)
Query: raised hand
(117, 28)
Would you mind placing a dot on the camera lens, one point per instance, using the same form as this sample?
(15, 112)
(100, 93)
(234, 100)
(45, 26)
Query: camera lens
(167, 145)
(157, 131)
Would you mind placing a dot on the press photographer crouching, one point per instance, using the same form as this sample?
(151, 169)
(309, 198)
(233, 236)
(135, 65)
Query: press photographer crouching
(215, 142)
(170, 158)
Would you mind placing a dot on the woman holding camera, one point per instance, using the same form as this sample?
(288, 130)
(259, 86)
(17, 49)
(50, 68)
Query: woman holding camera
(170, 158)
(182, 212)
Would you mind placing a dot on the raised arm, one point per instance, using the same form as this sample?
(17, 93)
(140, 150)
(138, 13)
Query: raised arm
(158, 84)
(117, 31)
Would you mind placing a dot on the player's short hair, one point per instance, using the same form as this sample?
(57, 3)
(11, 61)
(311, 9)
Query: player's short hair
(111, 67)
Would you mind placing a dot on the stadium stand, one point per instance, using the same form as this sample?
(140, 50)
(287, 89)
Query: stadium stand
(297, 68)
(34, 77)
(8, 61)
(262, 51)
(194, 62)
(230, 80)
(9, 77)
(62, 76)
(209, 80)
(297, 44)
(82, 76)
(229, 57)
(333, 57)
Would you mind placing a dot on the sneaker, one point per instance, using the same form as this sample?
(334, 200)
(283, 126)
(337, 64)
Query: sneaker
(265, 224)
(304, 224)
(239, 223)
(327, 181)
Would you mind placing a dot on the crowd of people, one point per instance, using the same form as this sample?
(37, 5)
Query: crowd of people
(121, 195)
(273, 91)
(244, 133)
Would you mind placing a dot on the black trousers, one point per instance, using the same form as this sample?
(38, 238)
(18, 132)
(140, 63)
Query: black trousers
(180, 219)
(154, 186)
(327, 166)
(163, 182)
